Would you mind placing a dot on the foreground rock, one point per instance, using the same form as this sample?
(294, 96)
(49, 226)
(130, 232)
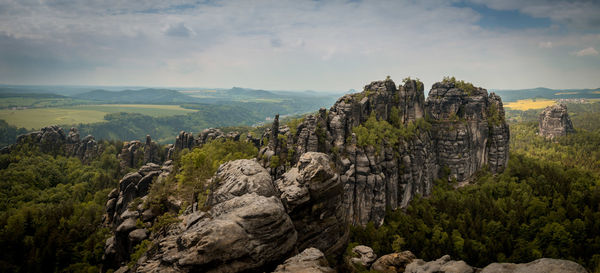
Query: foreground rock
(554, 121)
(544, 265)
(441, 265)
(392, 263)
(312, 192)
(363, 256)
(311, 260)
(242, 233)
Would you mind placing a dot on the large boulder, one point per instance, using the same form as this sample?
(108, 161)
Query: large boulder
(312, 192)
(543, 265)
(365, 256)
(311, 260)
(554, 121)
(441, 265)
(392, 263)
(236, 178)
(239, 234)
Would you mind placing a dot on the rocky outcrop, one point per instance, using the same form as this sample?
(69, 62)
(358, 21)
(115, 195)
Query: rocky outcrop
(311, 260)
(554, 121)
(124, 216)
(312, 193)
(363, 256)
(242, 233)
(54, 140)
(186, 140)
(394, 262)
(544, 265)
(135, 153)
(131, 155)
(247, 222)
(441, 265)
(245, 227)
(455, 129)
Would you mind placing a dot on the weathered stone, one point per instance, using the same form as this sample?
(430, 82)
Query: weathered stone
(543, 265)
(138, 235)
(441, 265)
(236, 178)
(365, 256)
(242, 233)
(554, 121)
(392, 263)
(312, 192)
(311, 260)
(130, 178)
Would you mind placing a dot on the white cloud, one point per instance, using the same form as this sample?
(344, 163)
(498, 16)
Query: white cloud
(287, 44)
(590, 51)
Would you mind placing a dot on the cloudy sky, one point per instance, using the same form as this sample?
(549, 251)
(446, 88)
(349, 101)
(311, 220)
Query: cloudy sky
(300, 45)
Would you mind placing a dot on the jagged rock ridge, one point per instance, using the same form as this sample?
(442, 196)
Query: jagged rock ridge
(462, 130)
(554, 121)
(54, 140)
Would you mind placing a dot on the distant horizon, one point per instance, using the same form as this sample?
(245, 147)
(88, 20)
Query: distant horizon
(139, 87)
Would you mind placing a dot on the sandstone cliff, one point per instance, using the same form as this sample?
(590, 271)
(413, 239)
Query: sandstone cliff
(461, 130)
(554, 121)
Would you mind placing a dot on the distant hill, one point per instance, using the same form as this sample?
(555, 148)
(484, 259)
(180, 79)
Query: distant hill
(547, 93)
(147, 96)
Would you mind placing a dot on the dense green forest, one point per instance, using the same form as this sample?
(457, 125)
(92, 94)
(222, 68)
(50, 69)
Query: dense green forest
(51, 209)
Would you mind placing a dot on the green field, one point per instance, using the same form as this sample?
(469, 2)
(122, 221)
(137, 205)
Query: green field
(529, 104)
(35, 118)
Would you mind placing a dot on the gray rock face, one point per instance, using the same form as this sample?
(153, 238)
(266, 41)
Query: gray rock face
(544, 265)
(554, 121)
(54, 140)
(123, 217)
(242, 233)
(311, 260)
(236, 178)
(463, 131)
(365, 256)
(441, 265)
(312, 192)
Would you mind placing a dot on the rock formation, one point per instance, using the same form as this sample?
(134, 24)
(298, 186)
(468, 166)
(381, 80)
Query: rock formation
(54, 140)
(461, 130)
(311, 260)
(186, 140)
(309, 182)
(248, 221)
(441, 265)
(394, 262)
(543, 265)
(122, 214)
(554, 121)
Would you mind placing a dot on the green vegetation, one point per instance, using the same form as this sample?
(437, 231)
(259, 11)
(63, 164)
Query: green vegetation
(36, 118)
(468, 87)
(420, 85)
(51, 210)
(8, 133)
(534, 209)
(192, 170)
(374, 132)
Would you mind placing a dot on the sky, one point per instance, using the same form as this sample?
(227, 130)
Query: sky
(300, 45)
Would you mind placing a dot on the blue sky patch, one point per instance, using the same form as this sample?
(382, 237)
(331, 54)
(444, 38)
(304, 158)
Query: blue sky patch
(504, 19)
